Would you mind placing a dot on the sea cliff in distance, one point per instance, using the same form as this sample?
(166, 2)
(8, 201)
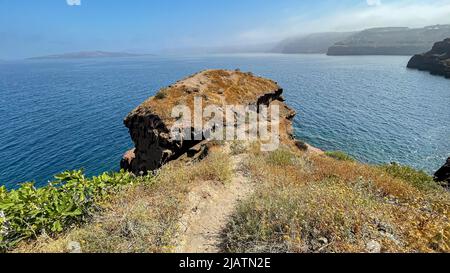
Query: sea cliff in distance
(316, 43)
(88, 55)
(436, 61)
(375, 41)
(391, 41)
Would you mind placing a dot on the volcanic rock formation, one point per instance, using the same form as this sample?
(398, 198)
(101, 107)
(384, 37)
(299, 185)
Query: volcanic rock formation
(150, 123)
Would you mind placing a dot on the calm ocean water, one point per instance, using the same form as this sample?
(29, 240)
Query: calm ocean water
(60, 115)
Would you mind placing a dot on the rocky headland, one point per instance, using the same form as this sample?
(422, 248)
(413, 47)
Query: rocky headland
(436, 61)
(150, 123)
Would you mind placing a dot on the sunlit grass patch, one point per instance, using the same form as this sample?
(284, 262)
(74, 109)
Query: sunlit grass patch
(280, 157)
(330, 205)
(216, 166)
(339, 155)
(418, 179)
(326, 216)
(238, 147)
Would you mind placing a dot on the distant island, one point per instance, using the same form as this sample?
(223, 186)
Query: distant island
(436, 61)
(89, 55)
(391, 41)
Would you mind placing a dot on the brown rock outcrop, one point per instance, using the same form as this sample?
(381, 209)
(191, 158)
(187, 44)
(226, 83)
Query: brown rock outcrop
(150, 123)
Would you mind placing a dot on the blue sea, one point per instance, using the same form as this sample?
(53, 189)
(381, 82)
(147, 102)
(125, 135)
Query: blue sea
(63, 115)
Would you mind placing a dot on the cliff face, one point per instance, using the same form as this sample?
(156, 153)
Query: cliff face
(443, 174)
(317, 43)
(390, 41)
(436, 61)
(150, 123)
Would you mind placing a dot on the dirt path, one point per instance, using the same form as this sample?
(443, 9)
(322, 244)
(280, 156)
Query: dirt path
(209, 209)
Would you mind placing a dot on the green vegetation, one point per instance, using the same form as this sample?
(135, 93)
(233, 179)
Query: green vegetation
(418, 179)
(280, 158)
(160, 95)
(339, 156)
(28, 211)
(140, 218)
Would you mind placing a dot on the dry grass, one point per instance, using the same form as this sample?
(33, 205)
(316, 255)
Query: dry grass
(213, 86)
(143, 218)
(320, 204)
(216, 167)
(339, 156)
(302, 203)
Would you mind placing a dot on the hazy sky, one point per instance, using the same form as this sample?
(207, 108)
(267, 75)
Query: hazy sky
(32, 28)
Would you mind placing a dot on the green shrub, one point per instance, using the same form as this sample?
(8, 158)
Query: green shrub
(339, 156)
(28, 211)
(160, 95)
(281, 158)
(418, 179)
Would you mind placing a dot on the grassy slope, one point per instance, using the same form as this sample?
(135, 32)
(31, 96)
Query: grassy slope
(321, 204)
(303, 203)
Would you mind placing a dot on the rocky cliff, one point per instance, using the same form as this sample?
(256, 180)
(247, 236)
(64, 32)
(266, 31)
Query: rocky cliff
(443, 174)
(436, 61)
(150, 123)
(390, 41)
(316, 43)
